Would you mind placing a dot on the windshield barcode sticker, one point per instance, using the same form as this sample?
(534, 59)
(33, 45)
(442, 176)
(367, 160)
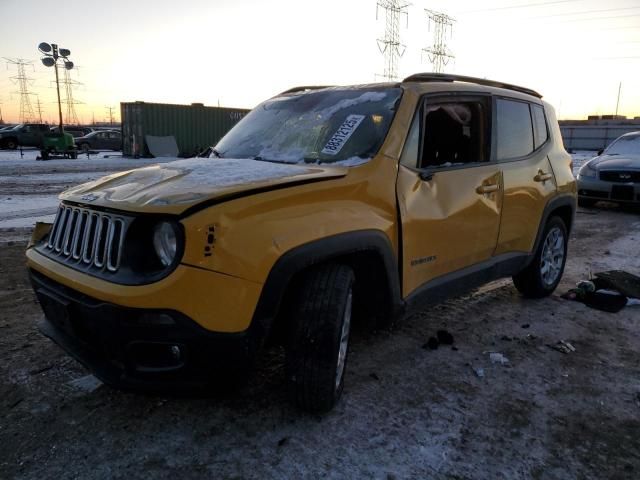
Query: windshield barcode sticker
(337, 141)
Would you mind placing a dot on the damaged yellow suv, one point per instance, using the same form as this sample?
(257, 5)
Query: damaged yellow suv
(323, 206)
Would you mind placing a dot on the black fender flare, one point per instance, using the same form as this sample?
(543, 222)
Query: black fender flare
(565, 200)
(320, 251)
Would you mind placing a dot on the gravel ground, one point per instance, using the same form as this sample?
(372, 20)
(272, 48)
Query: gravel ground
(407, 412)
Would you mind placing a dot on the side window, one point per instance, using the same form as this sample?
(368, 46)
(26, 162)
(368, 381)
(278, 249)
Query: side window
(540, 133)
(455, 133)
(409, 157)
(515, 131)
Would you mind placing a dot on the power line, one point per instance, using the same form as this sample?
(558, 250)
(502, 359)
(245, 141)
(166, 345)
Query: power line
(524, 5)
(390, 45)
(605, 10)
(439, 54)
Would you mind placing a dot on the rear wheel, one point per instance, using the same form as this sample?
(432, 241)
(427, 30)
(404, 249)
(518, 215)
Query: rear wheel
(318, 337)
(543, 274)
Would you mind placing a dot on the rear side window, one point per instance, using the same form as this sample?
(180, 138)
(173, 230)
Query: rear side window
(515, 131)
(540, 134)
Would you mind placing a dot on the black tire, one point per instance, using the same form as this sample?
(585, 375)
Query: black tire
(11, 144)
(320, 309)
(531, 281)
(586, 202)
(44, 154)
(85, 147)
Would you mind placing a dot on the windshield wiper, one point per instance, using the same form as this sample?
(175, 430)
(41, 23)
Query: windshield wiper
(261, 159)
(216, 153)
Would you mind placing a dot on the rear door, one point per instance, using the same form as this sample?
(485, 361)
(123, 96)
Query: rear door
(522, 146)
(449, 191)
(29, 136)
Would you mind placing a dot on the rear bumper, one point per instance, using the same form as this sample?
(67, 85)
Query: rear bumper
(593, 188)
(139, 349)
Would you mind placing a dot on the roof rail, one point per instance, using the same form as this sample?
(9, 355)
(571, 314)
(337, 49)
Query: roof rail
(304, 88)
(446, 77)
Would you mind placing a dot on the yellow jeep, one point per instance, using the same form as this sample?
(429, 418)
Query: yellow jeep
(323, 205)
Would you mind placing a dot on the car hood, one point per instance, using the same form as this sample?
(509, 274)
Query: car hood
(176, 186)
(616, 162)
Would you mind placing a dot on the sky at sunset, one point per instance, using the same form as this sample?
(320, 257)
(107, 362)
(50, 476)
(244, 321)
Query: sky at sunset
(237, 53)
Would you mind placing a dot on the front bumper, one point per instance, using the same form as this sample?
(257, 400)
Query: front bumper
(596, 189)
(139, 349)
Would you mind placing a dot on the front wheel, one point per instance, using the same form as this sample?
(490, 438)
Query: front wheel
(318, 337)
(11, 144)
(543, 274)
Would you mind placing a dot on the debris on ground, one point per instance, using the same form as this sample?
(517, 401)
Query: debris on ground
(609, 291)
(374, 376)
(563, 346)
(431, 344)
(478, 371)
(444, 337)
(525, 325)
(88, 383)
(496, 357)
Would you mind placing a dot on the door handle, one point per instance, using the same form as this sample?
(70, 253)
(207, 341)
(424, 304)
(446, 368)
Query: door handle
(482, 189)
(542, 176)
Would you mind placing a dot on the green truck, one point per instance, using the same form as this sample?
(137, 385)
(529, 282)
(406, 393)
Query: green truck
(25, 135)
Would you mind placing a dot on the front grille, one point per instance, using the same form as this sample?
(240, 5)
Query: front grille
(620, 176)
(87, 238)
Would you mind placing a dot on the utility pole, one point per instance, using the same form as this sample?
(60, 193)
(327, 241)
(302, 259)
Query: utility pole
(438, 53)
(618, 101)
(110, 114)
(390, 46)
(39, 107)
(26, 109)
(1, 120)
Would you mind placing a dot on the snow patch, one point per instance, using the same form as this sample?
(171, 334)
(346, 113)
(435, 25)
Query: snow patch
(225, 172)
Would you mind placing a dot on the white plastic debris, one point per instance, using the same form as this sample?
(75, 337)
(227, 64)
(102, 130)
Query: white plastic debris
(496, 357)
(88, 383)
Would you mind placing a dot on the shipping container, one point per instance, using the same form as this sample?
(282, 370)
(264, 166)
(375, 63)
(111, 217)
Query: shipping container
(195, 127)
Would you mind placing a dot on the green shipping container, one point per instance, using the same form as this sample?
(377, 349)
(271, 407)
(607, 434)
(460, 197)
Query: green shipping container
(195, 127)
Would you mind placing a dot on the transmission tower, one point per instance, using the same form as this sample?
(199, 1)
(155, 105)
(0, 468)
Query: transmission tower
(71, 117)
(390, 45)
(26, 109)
(438, 53)
(39, 107)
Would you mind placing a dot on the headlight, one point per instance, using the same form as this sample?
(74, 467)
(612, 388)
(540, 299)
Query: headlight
(165, 242)
(587, 171)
